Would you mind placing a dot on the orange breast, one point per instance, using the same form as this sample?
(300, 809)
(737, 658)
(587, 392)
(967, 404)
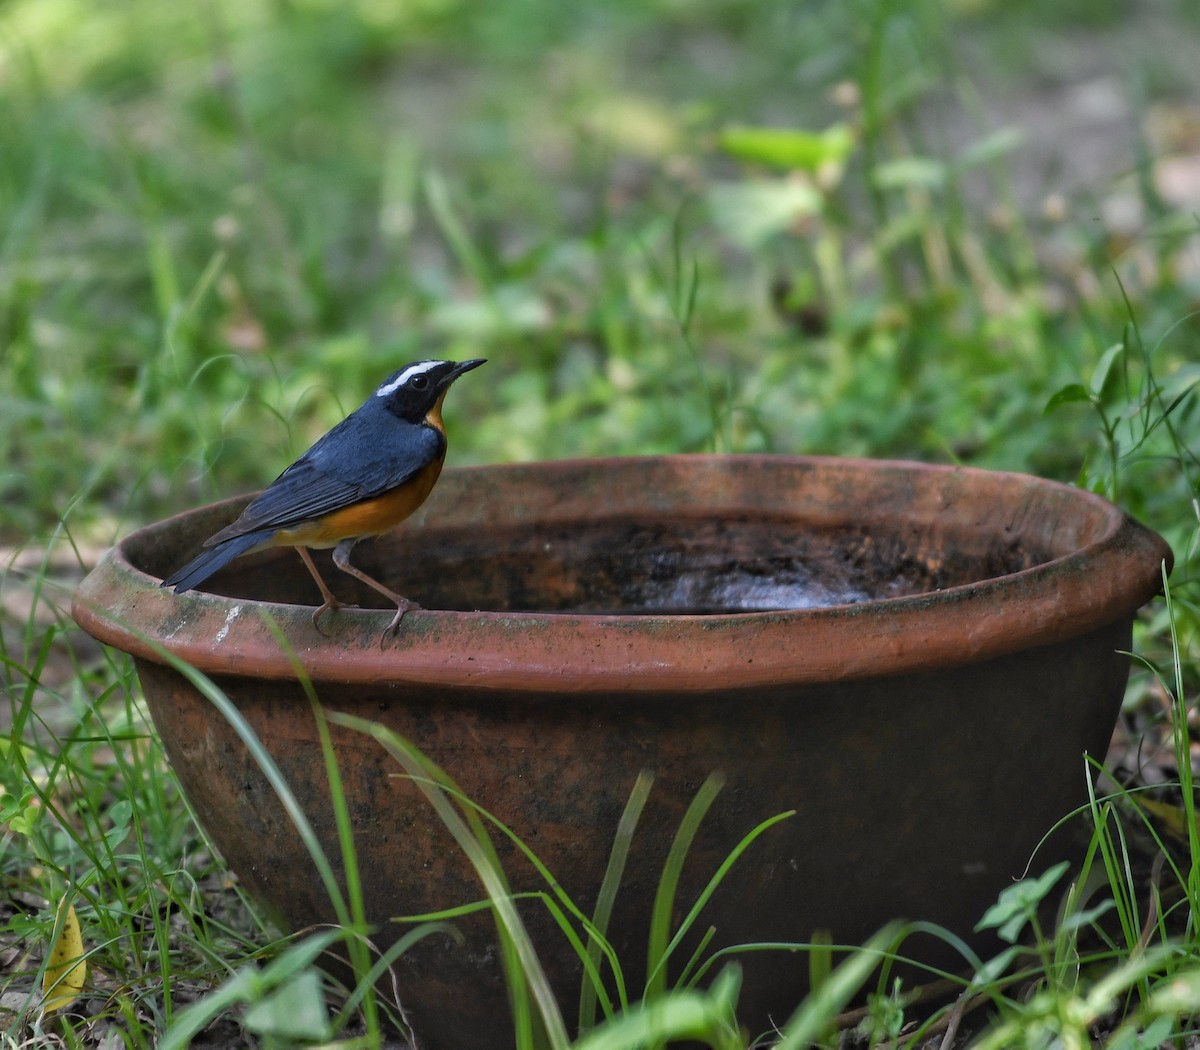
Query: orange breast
(368, 518)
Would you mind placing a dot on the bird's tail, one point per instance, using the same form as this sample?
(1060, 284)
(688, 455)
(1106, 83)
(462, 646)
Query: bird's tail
(201, 567)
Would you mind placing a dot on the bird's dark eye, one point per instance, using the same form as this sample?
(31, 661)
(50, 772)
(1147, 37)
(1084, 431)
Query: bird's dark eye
(419, 382)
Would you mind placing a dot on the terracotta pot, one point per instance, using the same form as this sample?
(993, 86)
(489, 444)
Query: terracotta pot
(914, 658)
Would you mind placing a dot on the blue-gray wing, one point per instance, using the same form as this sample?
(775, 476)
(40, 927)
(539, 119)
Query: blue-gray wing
(362, 457)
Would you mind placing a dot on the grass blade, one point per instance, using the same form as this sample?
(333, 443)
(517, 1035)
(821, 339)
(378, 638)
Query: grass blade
(606, 898)
(664, 897)
(472, 839)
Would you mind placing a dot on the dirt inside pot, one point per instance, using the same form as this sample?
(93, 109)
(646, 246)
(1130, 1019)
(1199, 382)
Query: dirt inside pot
(647, 566)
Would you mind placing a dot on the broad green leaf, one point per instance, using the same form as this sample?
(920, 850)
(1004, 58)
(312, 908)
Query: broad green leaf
(295, 1010)
(909, 171)
(997, 144)
(1019, 901)
(789, 148)
(991, 970)
(1065, 395)
(750, 213)
(705, 1017)
(1103, 373)
(120, 815)
(812, 1017)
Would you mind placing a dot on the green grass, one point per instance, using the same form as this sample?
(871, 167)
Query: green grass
(795, 227)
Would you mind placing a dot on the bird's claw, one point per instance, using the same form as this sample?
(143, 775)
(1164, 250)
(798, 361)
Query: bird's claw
(324, 608)
(390, 630)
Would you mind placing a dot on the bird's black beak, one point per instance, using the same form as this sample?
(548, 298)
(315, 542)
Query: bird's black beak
(458, 370)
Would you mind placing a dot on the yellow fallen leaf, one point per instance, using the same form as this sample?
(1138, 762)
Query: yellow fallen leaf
(66, 969)
(1172, 818)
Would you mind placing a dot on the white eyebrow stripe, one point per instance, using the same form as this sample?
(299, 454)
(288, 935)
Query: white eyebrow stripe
(405, 376)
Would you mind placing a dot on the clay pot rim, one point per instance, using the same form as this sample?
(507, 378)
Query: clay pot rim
(1100, 582)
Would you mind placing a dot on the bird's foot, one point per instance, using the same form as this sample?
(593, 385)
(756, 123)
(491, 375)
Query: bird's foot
(328, 606)
(403, 605)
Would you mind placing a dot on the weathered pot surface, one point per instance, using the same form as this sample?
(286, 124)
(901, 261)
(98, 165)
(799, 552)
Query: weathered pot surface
(913, 658)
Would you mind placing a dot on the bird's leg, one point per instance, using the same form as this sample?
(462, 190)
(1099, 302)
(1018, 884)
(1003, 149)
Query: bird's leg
(329, 602)
(341, 558)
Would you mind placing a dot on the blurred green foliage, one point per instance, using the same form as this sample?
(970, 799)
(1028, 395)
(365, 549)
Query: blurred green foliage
(671, 226)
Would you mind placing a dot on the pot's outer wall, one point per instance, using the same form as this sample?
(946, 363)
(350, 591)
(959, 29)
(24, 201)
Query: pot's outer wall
(934, 651)
(910, 799)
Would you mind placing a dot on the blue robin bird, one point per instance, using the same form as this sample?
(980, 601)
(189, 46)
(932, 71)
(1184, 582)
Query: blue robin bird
(363, 478)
